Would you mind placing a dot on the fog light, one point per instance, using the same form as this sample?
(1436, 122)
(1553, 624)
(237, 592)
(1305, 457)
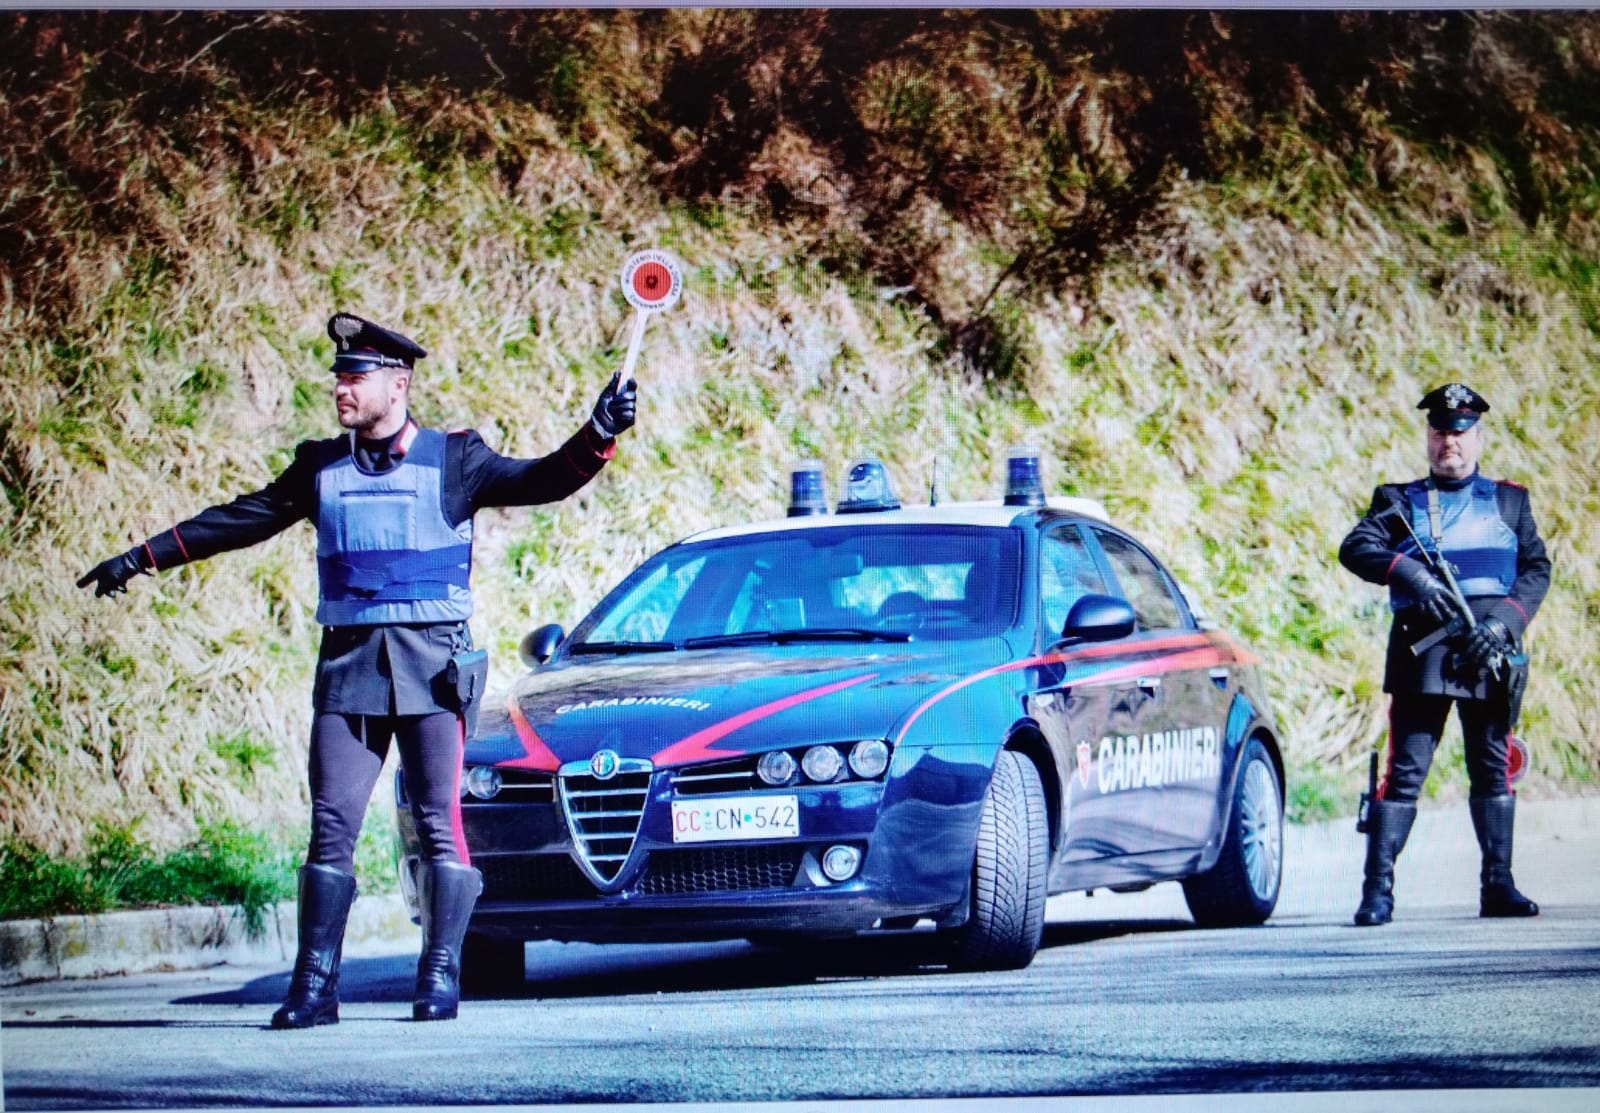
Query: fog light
(483, 781)
(822, 763)
(869, 758)
(775, 768)
(841, 862)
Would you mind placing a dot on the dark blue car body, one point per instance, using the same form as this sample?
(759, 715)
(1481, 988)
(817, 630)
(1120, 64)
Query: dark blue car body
(629, 806)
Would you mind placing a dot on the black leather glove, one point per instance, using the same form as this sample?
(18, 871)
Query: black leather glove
(1433, 598)
(110, 577)
(1487, 645)
(616, 410)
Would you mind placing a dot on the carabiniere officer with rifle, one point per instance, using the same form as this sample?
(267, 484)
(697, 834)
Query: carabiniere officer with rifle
(392, 504)
(1466, 572)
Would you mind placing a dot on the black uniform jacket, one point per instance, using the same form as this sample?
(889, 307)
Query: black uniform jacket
(1370, 550)
(384, 670)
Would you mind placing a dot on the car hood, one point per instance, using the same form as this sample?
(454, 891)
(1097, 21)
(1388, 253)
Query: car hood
(679, 708)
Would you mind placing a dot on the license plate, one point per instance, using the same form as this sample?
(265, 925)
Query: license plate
(736, 817)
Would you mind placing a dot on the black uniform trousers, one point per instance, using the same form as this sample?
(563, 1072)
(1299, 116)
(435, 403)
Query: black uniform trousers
(1416, 723)
(378, 685)
(347, 754)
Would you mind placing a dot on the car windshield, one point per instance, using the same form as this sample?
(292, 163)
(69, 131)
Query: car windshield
(830, 583)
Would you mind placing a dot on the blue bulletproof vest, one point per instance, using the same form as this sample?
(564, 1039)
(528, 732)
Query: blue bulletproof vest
(1481, 548)
(385, 551)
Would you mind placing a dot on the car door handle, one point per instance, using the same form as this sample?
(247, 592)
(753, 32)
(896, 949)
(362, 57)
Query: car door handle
(1149, 683)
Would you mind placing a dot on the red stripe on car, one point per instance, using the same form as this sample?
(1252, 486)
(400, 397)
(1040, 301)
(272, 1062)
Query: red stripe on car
(539, 756)
(1194, 659)
(1083, 653)
(698, 745)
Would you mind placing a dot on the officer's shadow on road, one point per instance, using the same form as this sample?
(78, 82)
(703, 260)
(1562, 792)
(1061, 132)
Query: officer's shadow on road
(573, 970)
(387, 979)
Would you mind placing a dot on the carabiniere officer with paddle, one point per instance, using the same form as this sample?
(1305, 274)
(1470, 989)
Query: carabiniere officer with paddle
(392, 504)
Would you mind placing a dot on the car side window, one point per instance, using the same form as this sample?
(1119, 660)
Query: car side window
(1067, 573)
(1143, 583)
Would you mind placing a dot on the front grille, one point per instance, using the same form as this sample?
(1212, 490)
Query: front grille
(517, 877)
(520, 786)
(604, 816)
(728, 869)
(517, 786)
(738, 774)
(735, 775)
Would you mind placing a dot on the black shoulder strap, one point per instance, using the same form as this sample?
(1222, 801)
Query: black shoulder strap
(1435, 519)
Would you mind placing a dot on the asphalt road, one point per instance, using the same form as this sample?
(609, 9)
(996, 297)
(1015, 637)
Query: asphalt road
(1127, 997)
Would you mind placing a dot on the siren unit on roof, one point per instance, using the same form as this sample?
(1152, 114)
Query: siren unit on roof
(1024, 487)
(867, 487)
(806, 492)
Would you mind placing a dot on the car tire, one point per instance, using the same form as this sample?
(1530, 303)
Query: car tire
(1006, 922)
(491, 964)
(1241, 890)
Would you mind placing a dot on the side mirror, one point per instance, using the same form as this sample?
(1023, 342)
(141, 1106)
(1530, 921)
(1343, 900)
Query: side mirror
(1099, 618)
(538, 646)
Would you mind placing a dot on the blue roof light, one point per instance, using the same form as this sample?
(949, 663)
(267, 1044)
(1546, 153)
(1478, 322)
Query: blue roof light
(1024, 487)
(807, 495)
(867, 488)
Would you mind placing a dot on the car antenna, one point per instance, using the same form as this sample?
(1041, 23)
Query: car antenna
(933, 483)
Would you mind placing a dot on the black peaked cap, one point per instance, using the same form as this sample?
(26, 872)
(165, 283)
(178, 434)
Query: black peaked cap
(1453, 407)
(364, 346)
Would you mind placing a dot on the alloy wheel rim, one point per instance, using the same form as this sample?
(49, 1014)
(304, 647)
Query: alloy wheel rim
(1261, 814)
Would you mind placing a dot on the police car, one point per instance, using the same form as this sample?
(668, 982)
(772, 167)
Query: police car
(872, 720)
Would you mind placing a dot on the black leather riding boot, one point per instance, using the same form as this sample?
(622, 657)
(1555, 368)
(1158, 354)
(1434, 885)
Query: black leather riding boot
(1388, 827)
(325, 898)
(447, 892)
(1493, 817)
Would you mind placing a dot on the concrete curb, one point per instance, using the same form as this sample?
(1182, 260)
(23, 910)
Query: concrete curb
(179, 938)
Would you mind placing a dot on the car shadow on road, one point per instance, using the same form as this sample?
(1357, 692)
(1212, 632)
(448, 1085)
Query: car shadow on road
(1092, 931)
(624, 970)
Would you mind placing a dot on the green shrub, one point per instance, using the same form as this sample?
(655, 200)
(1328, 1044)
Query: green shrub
(222, 864)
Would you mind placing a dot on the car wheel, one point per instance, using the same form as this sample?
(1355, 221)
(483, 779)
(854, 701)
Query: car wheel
(491, 964)
(1242, 888)
(1008, 872)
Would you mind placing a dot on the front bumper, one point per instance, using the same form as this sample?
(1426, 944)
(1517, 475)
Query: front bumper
(535, 888)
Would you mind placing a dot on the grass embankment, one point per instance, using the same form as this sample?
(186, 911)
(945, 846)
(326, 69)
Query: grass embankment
(1230, 359)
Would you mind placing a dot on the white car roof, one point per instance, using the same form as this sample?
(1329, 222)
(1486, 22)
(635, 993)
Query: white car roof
(988, 513)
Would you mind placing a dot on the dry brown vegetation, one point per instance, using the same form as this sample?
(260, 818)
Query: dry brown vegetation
(1207, 261)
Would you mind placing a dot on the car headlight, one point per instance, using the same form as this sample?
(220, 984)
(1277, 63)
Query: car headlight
(822, 763)
(870, 758)
(776, 768)
(483, 781)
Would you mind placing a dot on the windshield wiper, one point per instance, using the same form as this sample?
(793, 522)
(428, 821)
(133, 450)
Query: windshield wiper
(622, 647)
(783, 637)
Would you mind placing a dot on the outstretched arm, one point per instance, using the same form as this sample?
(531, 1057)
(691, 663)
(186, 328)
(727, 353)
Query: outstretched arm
(245, 521)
